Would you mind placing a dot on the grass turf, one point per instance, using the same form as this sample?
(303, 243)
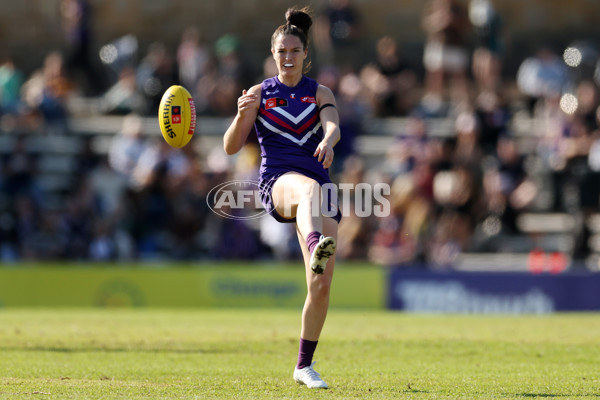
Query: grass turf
(250, 354)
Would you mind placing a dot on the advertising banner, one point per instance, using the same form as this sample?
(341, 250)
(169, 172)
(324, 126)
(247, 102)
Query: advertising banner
(492, 292)
(241, 285)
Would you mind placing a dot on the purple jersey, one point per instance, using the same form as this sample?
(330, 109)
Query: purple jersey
(289, 130)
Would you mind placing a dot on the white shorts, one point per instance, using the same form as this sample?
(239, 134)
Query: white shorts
(449, 58)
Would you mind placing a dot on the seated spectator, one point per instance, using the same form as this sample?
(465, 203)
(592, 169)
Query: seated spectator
(352, 109)
(110, 186)
(102, 245)
(82, 209)
(222, 85)
(401, 238)
(467, 149)
(540, 76)
(355, 232)
(20, 172)
(155, 74)
(445, 55)
(11, 80)
(127, 146)
(391, 82)
(123, 97)
(280, 239)
(493, 119)
(193, 58)
(46, 92)
(506, 191)
(48, 241)
(160, 168)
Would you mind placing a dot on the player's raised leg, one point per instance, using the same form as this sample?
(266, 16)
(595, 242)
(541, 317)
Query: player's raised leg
(294, 197)
(300, 197)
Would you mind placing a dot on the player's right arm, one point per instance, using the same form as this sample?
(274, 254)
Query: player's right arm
(237, 133)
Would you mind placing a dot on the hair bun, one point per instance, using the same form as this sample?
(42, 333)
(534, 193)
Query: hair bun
(299, 18)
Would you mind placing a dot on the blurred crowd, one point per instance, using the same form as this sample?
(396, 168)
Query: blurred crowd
(457, 192)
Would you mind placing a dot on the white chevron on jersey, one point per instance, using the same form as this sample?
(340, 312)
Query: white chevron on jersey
(295, 120)
(299, 142)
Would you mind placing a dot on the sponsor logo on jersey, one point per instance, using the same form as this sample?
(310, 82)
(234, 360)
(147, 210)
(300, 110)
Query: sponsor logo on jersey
(275, 102)
(308, 99)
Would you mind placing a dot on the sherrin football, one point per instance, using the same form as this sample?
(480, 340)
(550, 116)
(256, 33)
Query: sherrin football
(177, 116)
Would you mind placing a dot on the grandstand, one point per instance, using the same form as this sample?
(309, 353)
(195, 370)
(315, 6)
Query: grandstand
(568, 229)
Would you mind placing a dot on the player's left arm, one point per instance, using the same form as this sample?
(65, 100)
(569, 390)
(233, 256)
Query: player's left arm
(330, 120)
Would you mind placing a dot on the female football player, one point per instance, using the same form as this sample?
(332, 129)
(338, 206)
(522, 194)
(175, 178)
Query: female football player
(297, 126)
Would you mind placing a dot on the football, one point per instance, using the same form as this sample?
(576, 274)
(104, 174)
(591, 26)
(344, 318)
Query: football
(177, 116)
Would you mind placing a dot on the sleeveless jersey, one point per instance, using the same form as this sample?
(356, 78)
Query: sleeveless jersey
(289, 130)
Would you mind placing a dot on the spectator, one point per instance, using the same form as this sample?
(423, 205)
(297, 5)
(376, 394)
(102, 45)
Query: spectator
(86, 160)
(541, 76)
(269, 69)
(493, 119)
(159, 168)
(9, 238)
(193, 58)
(577, 143)
(127, 146)
(76, 23)
(45, 94)
(230, 76)
(27, 223)
(408, 148)
(48, 241)
(155, 74)
(445, 54)
(506, 191)
(401, 237)
(588, 100)
(589, 195)
(352, 109)
(452, 234)
(550, 126)
(189, 210)
(487, 56)
(82, 209)
(110, 186)
(355, 232)
(338, 35)
(391, 83)
(248, 245)
(102, 245)
(11, 80)
(467, 151)
(20, 172)
(280, 239)
(160, 161)
(124, 97)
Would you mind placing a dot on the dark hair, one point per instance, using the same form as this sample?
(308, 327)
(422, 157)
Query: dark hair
(298, 24)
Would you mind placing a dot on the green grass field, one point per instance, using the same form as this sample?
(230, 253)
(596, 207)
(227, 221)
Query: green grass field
(250, 354)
